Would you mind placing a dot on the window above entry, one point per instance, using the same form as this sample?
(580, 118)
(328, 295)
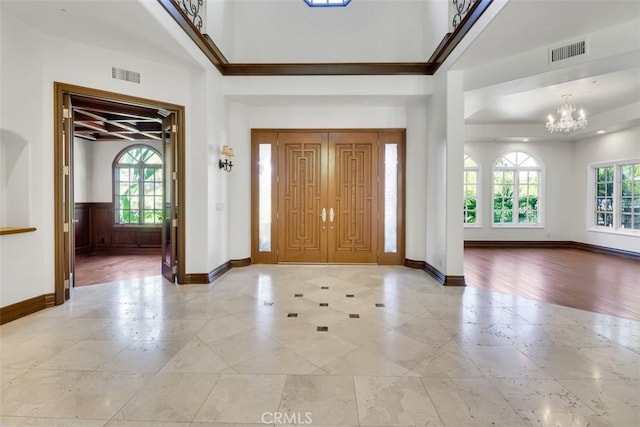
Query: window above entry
(327, 3)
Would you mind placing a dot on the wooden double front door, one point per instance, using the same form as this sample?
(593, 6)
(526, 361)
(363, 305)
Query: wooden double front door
(328, 198)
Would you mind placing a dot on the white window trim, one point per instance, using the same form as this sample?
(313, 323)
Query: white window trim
(479, 200)
(116, 166)
(541, 193)
(591, 193)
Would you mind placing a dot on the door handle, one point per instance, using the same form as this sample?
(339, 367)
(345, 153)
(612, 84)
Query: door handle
(331, 215)
(324, 215)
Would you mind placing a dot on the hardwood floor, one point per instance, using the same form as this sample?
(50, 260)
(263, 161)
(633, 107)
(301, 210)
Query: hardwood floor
(94, 269)
(575, 278)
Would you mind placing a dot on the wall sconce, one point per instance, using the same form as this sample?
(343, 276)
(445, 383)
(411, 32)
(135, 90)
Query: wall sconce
(226, 164)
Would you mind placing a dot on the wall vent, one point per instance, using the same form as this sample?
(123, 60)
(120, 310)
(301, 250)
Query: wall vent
(567, 51)
(127, 75)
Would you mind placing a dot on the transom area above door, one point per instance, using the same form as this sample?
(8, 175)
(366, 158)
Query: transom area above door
(328, 196)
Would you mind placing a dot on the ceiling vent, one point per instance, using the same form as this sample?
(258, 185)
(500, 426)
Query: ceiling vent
(567, 51)
(127, 75)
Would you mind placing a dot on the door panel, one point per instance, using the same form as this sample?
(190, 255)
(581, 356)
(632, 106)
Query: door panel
(170, 226)
(68, 199)
(353, 197)
(302, 190)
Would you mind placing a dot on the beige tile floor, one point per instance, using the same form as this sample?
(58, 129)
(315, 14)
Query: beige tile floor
(147, 353)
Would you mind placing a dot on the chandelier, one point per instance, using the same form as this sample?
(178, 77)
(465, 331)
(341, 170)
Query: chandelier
(566, 123)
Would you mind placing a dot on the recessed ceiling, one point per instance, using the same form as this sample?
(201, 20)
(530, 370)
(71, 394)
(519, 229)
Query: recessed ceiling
(594, 94)
(523, 25)
(516, 107)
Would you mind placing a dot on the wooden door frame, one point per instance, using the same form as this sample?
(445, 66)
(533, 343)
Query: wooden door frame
(60, 144)
(270, 136)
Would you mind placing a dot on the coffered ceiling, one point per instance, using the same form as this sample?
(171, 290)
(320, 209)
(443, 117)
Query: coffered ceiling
(98, 120)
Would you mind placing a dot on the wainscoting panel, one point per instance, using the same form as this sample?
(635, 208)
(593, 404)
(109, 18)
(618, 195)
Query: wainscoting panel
(96, 232)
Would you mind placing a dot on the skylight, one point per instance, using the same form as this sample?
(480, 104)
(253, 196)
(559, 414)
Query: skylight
(326, 3)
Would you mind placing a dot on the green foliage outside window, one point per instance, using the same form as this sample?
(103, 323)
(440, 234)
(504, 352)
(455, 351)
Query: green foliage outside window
(516, 184)
(630, 196)
(470, 211)
(470, 207)
(138, 187)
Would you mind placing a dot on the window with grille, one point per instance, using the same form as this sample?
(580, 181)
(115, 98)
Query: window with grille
(630, 196)
(471, 183)
(617, 196)
(137, 173)
(516, 190)
(604, 196)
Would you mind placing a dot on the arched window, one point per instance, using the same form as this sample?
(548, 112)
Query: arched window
(516, 190)
(137, 186)
(471, 191)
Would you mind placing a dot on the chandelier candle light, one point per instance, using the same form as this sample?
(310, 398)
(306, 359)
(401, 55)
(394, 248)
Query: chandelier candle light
(567, 123)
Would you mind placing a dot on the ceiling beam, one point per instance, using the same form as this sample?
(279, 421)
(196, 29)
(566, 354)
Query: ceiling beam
(110, 126)
(329, 69)
(103, 106)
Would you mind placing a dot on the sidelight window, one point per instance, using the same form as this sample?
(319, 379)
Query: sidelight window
(264, 201)
(471, 187)
(391, 198)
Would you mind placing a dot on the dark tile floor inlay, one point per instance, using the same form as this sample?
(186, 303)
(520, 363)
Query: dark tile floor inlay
(323, 329)
(292, 315)
(351, 296)
(298, 295)
(354, 316)
(324, 287)
(324, 304)
(379, 305)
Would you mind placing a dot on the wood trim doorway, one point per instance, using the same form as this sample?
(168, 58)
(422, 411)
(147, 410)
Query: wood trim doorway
(63, 176)
(328, 195)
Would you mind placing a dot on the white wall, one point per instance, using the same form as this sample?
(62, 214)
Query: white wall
(216, 203)
(37, 62)
(27, 166)
(445, 139)
(239, 179)
(416, 176)
(622, 145)
(219, 23)
(557, 190)
(82, 170)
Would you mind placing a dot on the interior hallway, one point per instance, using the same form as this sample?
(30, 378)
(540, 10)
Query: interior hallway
(350, 345)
